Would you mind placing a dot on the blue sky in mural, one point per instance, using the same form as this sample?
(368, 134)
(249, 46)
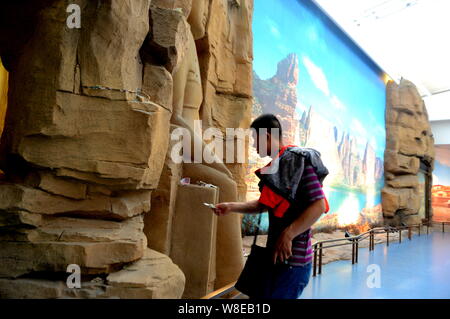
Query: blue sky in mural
(441, 174)
(331, 73)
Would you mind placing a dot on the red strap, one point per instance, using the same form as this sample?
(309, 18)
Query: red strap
(281, 208)
(269, 198)
(327, 206)
(277, 202)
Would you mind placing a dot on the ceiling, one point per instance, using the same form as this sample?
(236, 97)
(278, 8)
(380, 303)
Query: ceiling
(406, 38)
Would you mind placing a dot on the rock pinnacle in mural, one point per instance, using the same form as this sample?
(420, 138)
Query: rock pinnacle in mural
(278, 95)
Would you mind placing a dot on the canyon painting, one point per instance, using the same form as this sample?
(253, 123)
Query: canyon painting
(328, 96)
(440, 193)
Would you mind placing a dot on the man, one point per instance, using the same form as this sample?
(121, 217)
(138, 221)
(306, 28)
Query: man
(291, 191)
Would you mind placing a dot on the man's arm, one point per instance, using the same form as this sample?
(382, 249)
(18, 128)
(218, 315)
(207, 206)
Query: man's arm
(250, 207)
(283, 248)
(306, 220)
(313, 191)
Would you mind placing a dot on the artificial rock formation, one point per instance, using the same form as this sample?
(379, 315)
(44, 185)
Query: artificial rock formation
(226, 54)
(86, 145)
(213, 41)
(409, 141)
(81, 150)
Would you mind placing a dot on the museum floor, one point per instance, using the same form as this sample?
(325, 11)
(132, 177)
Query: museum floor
(419, 268)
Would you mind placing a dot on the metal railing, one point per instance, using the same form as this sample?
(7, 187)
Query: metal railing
(227, 290)
(318, 248)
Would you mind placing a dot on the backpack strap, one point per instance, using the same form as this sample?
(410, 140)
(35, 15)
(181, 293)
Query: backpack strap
(257, 228)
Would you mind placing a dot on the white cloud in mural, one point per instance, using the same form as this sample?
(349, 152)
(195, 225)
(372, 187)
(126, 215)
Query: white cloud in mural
(378, 130)
(273, 28)
(338, 103)
(317, 75)
(301, 107)
(373, 143)
(358, 127)
(435, 179)
(443, 154)
(339, 122)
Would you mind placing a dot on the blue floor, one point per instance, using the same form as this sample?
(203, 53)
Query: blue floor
(416, 269)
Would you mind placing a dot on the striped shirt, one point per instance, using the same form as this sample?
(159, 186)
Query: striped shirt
(311, 191)
(302, 252)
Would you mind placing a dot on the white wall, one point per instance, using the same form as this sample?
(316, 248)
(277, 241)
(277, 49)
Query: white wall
(441, 131)
(438, 106)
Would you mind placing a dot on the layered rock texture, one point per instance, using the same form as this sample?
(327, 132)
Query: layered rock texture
(409, 142)
(87, 133)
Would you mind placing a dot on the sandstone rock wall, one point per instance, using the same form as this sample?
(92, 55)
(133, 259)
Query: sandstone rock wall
(226, 55)
(81, 151)
(87, 132)
(223, 39)
(409, 141)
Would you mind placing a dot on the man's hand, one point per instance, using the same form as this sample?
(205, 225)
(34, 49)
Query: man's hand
(223, 209)
(283, 247)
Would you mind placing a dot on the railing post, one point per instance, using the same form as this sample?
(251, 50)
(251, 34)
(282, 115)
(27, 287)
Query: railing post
(357, 249)
(387, 237)
(420, 227)
(409, 232)
(399, 235)
(320, 259)
(353, 251)
(428, 228)
(443, 229)
(373, 240)
(315, 261)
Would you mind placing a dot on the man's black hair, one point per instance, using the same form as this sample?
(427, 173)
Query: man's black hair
(267, 121)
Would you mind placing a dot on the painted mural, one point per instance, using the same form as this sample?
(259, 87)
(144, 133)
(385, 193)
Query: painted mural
(329, 96)
(440, 192)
